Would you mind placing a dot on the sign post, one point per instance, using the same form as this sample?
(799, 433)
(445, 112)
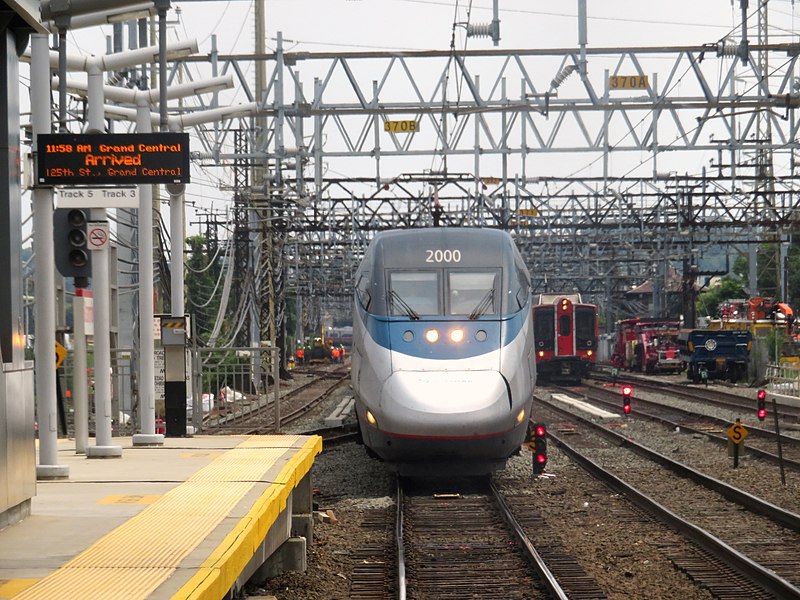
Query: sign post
(736, 435)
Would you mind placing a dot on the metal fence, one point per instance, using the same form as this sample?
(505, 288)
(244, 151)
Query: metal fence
(124, 391)
(228, 383)
(223, 383)
(784, 380)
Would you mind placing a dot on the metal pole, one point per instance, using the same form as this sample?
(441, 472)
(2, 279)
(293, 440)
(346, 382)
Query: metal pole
(80, 388)
(778, 436)
(147, 366)
(102, 300)
(45, 306)
(276, 390)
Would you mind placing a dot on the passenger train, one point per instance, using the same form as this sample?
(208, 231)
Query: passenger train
(442, 363)
(566, 333)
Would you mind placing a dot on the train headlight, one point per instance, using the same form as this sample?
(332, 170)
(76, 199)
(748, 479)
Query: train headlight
(456, 335)
(541, 353)
(521, 416)
(589, 353)
(371, 418)
(432, 336)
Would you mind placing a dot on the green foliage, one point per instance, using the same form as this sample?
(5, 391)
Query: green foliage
(776, 339)
(708, 302)
(767, 277)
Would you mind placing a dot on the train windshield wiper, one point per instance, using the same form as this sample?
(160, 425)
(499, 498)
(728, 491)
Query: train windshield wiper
(483, 305)
(410, 312)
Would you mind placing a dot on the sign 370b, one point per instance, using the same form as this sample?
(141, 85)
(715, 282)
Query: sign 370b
(401, 126)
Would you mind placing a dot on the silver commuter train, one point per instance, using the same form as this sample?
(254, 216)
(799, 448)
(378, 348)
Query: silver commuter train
(442, 363)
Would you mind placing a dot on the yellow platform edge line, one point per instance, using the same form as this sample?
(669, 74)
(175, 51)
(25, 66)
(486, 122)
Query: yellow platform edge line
(267, 507)
(219, 572)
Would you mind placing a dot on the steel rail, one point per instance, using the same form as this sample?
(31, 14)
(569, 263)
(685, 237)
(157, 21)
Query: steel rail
(752, 503)
(549, 580)
(734, 559)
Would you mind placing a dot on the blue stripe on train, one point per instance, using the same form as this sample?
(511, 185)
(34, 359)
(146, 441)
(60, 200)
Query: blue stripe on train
(388, 333)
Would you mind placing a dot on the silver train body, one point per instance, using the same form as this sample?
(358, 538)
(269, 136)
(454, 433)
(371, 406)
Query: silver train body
(442, 363)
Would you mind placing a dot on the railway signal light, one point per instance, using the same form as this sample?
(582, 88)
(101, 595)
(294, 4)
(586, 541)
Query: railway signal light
(762, 404)
(539, 447)
(72, 254)
(627, 392)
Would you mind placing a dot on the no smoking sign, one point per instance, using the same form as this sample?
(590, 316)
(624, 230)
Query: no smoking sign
(97, 236)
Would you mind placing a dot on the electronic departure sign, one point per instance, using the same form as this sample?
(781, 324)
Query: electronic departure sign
(108, 158)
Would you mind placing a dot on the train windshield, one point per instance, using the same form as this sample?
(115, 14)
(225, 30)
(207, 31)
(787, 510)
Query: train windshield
(472, 293)
(419, 293)
(584, 327)
(414, 293)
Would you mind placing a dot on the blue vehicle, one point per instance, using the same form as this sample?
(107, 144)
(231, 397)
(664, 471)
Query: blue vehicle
(442, 362)
(715, 353)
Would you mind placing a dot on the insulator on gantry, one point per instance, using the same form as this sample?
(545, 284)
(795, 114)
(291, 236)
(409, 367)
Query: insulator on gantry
(479, 30)
(565, 72)
(726, 49)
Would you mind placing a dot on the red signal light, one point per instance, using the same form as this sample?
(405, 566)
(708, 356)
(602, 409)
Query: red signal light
(539, 435)
(762, 414)
(762, 394)
(627, 392)
(762, 404)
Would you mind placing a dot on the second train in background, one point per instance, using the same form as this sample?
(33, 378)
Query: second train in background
(565, 332)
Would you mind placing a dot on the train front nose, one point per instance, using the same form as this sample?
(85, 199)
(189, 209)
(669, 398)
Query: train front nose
(449, 404)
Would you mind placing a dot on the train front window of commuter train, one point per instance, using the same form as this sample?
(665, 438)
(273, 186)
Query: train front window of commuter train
(472, 293)
(584, 326)
(414, 293)
(543, 327)
(564, 325)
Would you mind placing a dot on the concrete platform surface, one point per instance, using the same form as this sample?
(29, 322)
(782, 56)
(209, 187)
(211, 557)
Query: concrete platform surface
(180, 520)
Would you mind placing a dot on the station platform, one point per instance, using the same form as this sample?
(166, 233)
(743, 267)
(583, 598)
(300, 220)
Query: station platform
(193, 519)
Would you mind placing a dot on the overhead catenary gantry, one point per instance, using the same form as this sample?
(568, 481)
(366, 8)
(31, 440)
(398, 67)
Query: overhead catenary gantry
(645, 156)
(613, 161)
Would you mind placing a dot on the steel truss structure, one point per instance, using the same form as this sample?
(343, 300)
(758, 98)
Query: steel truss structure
(590, 169)
(606, 171)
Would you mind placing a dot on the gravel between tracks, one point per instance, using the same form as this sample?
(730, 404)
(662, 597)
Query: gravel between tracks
(626, 559)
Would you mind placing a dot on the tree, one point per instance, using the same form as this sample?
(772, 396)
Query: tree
(708, 302)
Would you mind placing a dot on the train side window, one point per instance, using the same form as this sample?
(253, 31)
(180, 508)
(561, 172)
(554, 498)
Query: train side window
(362, 290)
(522, 292)
(417, 290)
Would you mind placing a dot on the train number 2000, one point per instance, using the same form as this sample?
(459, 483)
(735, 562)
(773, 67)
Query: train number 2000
(443, 256)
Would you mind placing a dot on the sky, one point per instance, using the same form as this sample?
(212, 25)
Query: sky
(382, 25)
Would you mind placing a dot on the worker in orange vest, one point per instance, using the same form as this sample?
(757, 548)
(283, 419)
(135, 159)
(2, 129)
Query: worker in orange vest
(300, 354)
(335, 354)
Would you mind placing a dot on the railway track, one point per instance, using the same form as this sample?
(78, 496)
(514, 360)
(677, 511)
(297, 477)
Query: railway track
(263, 416)
(761, 442)
(709, 394)
(750, 553)
(465, 539)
